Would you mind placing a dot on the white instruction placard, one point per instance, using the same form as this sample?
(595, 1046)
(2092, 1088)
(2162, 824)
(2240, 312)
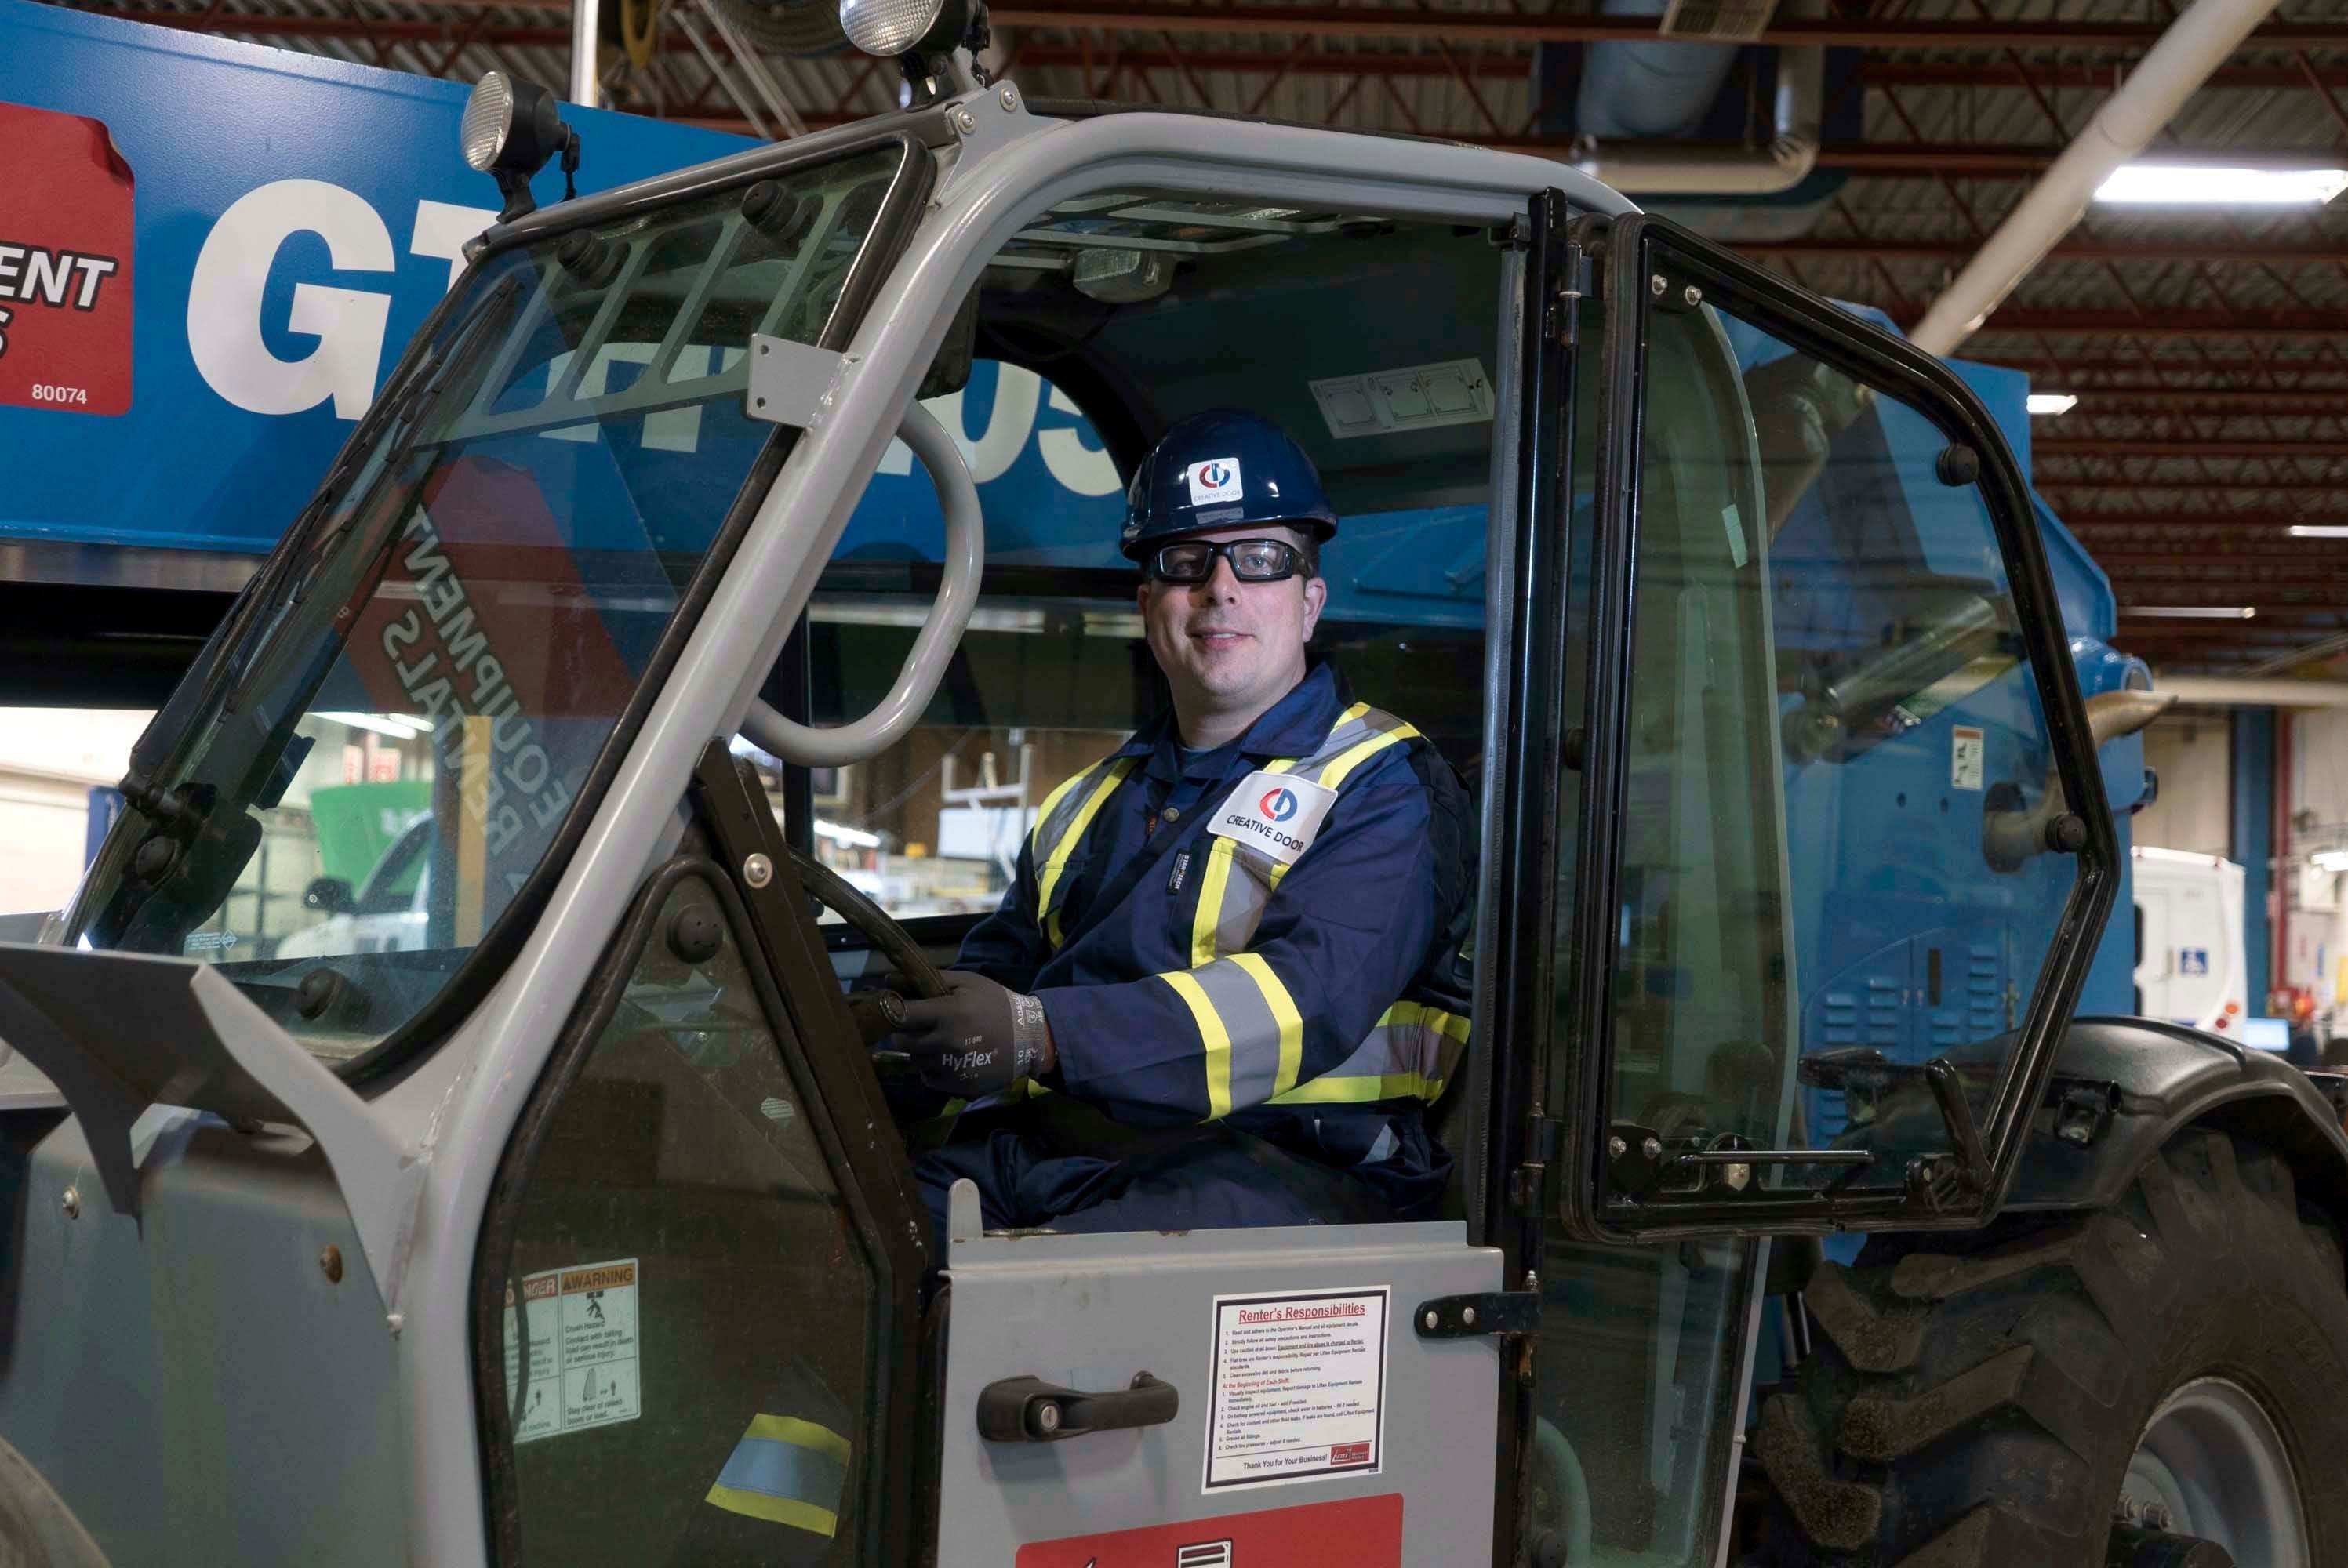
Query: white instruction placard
(1299, 1388)
(1967, 752)
(583, 1349)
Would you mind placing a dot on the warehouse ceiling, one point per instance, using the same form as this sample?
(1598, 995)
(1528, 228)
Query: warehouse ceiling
(2209, 350)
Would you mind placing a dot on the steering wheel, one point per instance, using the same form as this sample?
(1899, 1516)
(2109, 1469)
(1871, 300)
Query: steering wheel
(845, 899)
(876, 1011)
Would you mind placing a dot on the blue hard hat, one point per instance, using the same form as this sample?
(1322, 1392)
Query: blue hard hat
(1218, 469)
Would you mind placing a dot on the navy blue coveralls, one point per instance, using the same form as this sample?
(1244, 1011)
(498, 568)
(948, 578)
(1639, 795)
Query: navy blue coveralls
(1270, 938)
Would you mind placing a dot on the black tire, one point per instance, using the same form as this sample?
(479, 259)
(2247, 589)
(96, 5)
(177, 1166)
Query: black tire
(36, 1529)
(1973, 1399)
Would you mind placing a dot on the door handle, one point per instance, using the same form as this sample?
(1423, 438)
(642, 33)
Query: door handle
(1030, 1411)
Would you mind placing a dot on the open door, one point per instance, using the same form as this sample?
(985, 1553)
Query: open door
(1829, 722)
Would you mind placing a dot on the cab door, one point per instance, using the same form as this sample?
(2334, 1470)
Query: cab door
(700, 1288)
(1219, 1399)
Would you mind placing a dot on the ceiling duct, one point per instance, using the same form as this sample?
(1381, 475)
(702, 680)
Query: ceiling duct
(1635, 91)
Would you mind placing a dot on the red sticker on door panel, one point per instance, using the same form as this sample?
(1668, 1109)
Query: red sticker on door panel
(1359, 1532)
(65, 264)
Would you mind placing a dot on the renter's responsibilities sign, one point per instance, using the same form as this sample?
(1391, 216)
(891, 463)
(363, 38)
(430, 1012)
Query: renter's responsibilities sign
(65, 264)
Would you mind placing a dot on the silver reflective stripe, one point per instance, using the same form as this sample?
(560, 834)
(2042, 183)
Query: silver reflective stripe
(1060, 828)
(1237, 883)
(1254, 1030)
(1409, 1054)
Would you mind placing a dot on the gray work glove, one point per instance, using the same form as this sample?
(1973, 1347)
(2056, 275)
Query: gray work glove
(977, 1039)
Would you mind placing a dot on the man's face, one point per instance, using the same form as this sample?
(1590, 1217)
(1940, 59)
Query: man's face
(1226, 645)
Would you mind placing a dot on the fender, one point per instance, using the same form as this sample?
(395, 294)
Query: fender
(2123, 1087)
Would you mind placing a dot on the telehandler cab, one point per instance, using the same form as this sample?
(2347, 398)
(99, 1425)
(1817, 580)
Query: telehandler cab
(582, 1231)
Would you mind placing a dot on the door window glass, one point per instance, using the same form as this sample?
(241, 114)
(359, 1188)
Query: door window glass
(1637, 1366)
(1834, 865)
(699, 1303)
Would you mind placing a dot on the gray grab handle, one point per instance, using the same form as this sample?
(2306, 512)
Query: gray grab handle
(933, 648)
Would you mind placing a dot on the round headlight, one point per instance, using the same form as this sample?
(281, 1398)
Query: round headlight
(489, 121)
(888, 27)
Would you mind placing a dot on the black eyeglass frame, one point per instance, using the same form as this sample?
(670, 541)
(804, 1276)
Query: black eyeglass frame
(1300, 561)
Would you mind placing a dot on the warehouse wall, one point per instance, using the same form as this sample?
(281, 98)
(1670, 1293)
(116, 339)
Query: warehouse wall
(49, 758)
(2191, 756)
(2314, 936)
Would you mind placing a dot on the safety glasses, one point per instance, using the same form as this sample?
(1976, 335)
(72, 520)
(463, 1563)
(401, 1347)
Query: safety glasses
(1253, 561)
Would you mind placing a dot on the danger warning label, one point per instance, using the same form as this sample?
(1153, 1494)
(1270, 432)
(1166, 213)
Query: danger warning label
(583, 1349)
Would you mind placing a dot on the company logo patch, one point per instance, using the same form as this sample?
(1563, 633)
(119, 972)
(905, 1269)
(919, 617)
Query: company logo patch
(1216, 479)
(1278, 813)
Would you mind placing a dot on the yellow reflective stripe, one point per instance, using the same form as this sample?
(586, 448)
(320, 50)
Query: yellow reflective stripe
(1044, 811)
(1452, 1025)
(777, 1510)
(1341, 1088)
(1283, 1010)
(1354, 755)
(1329, 1091)
(799, 1434)
(1215, 882)
(1048, 876)
(1211, 888)
(1217, 1039)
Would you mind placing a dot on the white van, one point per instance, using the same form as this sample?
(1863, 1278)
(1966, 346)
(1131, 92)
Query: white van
(2189, 940)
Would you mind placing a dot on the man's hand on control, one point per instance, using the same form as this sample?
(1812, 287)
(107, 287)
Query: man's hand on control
(977, 1039)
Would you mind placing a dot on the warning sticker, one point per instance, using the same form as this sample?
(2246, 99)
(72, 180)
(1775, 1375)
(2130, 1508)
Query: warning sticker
(584, 1359)
(1966, 754)
(1359, 1532)
(1299, 1385)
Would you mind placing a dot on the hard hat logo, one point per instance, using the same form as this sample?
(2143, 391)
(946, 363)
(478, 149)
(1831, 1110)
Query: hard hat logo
(1278, 805)
(1223, 468)
(1216, 479)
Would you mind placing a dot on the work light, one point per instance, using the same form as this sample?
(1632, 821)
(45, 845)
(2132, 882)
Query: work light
(895, 28)
(510, 129)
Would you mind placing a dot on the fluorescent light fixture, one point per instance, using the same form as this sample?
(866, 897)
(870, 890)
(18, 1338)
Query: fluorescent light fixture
(2203, 185)
(854, 838)
(397, 726)
(2194, 612)
(2319, 531)
(2053, 402)
(2331, 860)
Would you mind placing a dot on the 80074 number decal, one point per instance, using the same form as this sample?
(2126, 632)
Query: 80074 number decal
(66, 290)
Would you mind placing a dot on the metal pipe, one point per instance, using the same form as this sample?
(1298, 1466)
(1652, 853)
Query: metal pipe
(2037, 35)
(2216, 691)
(585, 14)
(1655, 168)
(2195, 45)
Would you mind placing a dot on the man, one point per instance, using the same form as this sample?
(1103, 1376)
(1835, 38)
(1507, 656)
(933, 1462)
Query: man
(1229, 974)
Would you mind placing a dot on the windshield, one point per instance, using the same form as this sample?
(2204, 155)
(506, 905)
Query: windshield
(402, 717)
